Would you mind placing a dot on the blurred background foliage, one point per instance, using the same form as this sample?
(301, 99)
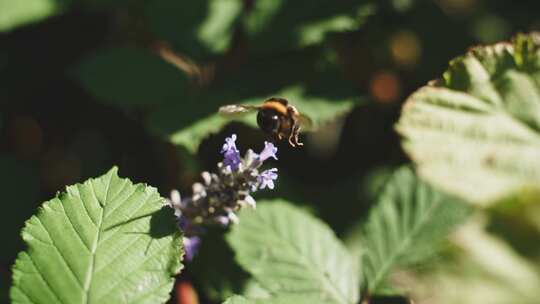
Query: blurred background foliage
(85, 85)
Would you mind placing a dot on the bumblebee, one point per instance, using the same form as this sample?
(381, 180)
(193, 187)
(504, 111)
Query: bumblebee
(276, 117)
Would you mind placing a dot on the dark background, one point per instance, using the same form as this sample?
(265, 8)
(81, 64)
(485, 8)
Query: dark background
(53, 132)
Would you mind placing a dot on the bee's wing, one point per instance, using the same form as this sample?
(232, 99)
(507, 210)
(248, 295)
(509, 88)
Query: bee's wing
(305, 122)
(232, 110)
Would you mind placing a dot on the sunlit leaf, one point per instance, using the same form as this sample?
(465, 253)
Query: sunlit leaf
(476, 132)
(293, 254)
(254, 290)
(195, 28)
(278, 25)
(483, 268)
(103, 241)
(276, 299)
(405, 225)
(132, 77)
(237, 300)
(14, 13)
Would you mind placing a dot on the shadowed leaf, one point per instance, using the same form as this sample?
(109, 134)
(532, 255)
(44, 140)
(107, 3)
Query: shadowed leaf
(129, 77)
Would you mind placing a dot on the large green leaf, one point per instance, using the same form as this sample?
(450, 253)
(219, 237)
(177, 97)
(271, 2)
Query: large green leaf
(195, 28)
(14, 13)
(476, 132)
(405, 225)
(293, 254)
(132, 77)
(103, 241)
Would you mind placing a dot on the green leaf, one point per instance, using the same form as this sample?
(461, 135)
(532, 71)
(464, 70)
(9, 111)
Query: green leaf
(103, 241)
(405, 225)
(131, 77)
(482, 267)
(254, 290)
(237, 300)
(276, 299)
(476, 132)
(293, 254)
(218, 276)
(301, 23)
(14, 13)
(196, 28)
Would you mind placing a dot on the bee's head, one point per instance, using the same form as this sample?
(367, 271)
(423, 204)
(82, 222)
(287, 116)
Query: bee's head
(268, 120)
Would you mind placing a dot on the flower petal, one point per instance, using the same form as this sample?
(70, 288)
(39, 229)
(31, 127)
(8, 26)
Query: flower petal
(267, 177)
(191, 247)
(230, 144)
(269, 151)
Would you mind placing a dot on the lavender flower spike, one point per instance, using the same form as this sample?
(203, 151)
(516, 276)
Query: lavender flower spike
(216, 199)
(231, 155)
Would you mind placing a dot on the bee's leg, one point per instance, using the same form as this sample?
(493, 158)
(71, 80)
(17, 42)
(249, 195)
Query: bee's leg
(296, 132)
(295, 129)
(290, 136)
(296, 137)
(293, 135)
(291, 140)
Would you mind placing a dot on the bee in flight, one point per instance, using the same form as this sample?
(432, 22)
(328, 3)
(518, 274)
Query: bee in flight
(276, 117)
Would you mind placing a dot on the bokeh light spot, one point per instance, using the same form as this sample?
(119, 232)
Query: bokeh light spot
(406, 48)
(385, 87)
(27, 136)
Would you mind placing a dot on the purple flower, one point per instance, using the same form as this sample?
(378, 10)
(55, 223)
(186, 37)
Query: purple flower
(269, 151)
(266, 178)
(220, 194)
(191, 247)
(231, 155)
(223, 220)
(183, 223)
(230, 144)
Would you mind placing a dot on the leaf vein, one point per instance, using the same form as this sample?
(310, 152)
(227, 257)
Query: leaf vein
(137, 268)
(64, 259)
